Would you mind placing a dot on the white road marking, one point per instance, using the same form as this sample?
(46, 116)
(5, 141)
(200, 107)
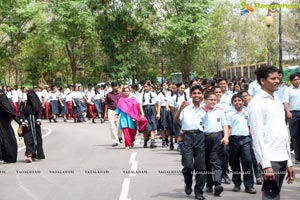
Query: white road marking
(126, 181)
(46, 135)
(125, 189)
(132, 157)
(133, 168)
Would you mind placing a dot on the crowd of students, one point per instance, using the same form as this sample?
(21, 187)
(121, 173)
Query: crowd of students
(208, 119)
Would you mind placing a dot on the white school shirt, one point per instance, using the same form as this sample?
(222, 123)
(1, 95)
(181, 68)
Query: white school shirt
(75, 94)
(15, 94)
(190, 118)
(163, 98)
(8, 95)
(292, 97)
(254, 87)
(213, 120)
(68, 94)
(89, 95)
(238, 122)
(268, 129)
(53, 96)
(180, 99)
(154, 98)
(225, 101)
(39, 94)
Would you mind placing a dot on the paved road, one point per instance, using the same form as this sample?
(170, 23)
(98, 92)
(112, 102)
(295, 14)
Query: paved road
(81, 164)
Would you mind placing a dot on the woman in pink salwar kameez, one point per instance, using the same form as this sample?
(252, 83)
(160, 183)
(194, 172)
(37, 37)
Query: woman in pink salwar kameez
(127, 114)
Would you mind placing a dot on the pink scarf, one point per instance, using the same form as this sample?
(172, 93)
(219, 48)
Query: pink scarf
(130, 106)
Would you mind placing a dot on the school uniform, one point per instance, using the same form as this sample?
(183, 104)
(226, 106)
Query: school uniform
(63, 109)
(292, 98)
(77, 109)
(213, 122)
(90, 104)
(240, 147)
(193, 148)
(97, 102)
(149, 100)
(175, 102)
(163, 121)
(53, 103)
(68, 95)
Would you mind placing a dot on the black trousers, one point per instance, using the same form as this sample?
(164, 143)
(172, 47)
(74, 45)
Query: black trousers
(213, 155)
(294, 125)
(240, 153)
(193, 159)
(271, 189)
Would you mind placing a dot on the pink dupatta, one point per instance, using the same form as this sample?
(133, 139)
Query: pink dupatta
(130, 106)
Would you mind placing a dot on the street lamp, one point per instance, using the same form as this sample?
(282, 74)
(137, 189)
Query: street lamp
(273, 10)
(269, 22)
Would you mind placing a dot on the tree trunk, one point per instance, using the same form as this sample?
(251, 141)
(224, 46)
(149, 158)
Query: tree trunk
(72, 63)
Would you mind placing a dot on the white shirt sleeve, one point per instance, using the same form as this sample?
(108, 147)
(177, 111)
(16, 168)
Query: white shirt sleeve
(256, 115)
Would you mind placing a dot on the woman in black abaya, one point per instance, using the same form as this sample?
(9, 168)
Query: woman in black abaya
(32, 127)
(8, 143)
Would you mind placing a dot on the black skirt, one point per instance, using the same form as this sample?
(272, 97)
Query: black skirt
(163, 121)
(54, 107)
(98, 106)
(63, 109)
(150, 114)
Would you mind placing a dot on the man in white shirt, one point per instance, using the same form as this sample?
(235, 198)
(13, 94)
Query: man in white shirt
(269, 133)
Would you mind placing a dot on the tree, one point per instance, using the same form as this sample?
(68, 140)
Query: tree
(73, 25)
(184, 24)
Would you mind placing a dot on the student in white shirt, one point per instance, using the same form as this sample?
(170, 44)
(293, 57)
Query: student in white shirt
(269, 134)
(291, 101)
(193, 148)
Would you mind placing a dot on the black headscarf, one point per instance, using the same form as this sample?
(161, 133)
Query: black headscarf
(33, 103)
(6, 106)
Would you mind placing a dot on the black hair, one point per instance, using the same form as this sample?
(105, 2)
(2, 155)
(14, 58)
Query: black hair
(196, 87)
(237, 95)
(280, 71)
(221, 79)
(292, 76)
(185, 97)
(205, 81)
(214, 88)
(208, 94)
(149, 84)
(135, 87)
(263, 72)
(114, 84)
(243, 91)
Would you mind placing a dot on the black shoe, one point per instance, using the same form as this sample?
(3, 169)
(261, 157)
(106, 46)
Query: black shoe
(236, 188)
(54, 120)
(258, 181)
(218, 190)
(171, 146)
(50, 120)
(199, 196)
(226, 179)
(94, 121)
(250, 190)
(114, 144)
(65, 120)
(145, 145)
(188, 189)
(209, 189)
(120, 140)
(152, 146)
